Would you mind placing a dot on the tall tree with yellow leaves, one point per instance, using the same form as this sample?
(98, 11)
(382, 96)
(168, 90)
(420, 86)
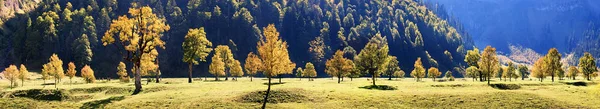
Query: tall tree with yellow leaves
(195, 48)
(11, 74)
(253, 65)
(310, 71)
(538, 69)
(419, 71)
(217, 66)
(71, 72)
(573, 71)
(236, 70)
(372, 58)
(433, 73)
(54, 68)
(224, 52)
(274, 54)
(489, 63)
(335, 65)
(88, 74)
(139, 35)
(23, 74)
(553, 64)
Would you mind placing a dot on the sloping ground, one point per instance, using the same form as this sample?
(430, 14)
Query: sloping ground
(323, 93)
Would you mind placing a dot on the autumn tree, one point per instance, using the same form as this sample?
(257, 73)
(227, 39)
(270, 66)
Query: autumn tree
(217, 67)
(224, 52)
(55, 69)
(538, 69)
(139, 35)
(419, 71)
(489, 63)
(509, 72)
(23, 74)
(399, 74)
(433, 73)
(236, 70)
(472, 58)
(572, 72)
(473, 72)
(253, 65)
(318, 50)
(11, 74)
(552, 61)
(523, 71)
(587, 65)
(274, 53)
(373, 56)
(299, 73)
(195, 48)
(122, 72)
(310, 71)
(335, 65)
(46, 69)
(71, 71)
(391, 67)
(88, 74)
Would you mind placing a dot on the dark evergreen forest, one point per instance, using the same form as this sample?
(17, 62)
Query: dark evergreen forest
(314, 29)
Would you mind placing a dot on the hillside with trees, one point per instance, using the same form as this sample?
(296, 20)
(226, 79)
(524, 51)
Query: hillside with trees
(313, 29)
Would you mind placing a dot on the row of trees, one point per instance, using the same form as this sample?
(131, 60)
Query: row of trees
(486, 65)
(51, 70)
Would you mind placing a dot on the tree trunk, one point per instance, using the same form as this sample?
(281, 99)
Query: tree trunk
(279, 78)
(350, 78)
(480, 76)
(157, 77)
(488, 79)
(390, 77)
(267, 95)
(552, 77)
(373, 77)
(250, 78)
(138, 79)
(339, 79)
(190, 73)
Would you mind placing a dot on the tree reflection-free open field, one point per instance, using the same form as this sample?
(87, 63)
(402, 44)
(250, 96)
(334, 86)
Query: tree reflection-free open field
(321, 93)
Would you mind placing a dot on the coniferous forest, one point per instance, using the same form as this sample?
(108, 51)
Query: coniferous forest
(314, 29)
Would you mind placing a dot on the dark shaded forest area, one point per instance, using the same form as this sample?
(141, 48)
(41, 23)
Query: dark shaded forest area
(314, 30)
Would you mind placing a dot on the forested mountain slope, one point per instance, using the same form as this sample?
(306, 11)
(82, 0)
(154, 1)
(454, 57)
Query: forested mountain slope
(314, 30)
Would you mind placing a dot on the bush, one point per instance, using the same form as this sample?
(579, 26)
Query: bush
(505, 86)
(42, 94)
(379, 87)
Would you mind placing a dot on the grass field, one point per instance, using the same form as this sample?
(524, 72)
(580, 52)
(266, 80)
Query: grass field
(323, 93)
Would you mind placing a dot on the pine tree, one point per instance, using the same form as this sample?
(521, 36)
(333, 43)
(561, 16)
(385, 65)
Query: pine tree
(195, 48)
(138, 40)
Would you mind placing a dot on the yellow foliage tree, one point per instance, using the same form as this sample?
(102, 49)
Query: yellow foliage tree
(489, 63)
(433, 73)
(253, 65)
(195, 48)
(419, 71)
(335, 65)
(573, 71)
(88, 74)
(274, 54)
(71, 71)
(236, 70)
(217, 66)
(122, 72)
(538, 69)
(139, 35)
(54, 68)
(310, 71)
(23, 74)
(11, 74)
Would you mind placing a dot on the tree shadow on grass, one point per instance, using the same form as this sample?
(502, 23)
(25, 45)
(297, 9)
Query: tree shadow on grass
(99, 104)
(276, 83)
(505, 86)
(379, 87)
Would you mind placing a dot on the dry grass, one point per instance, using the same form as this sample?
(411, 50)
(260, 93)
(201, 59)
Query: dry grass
(321, 93)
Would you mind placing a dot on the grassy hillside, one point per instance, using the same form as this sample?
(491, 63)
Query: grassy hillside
(321, 93)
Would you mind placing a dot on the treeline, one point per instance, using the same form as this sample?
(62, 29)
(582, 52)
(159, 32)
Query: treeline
(314, 29)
